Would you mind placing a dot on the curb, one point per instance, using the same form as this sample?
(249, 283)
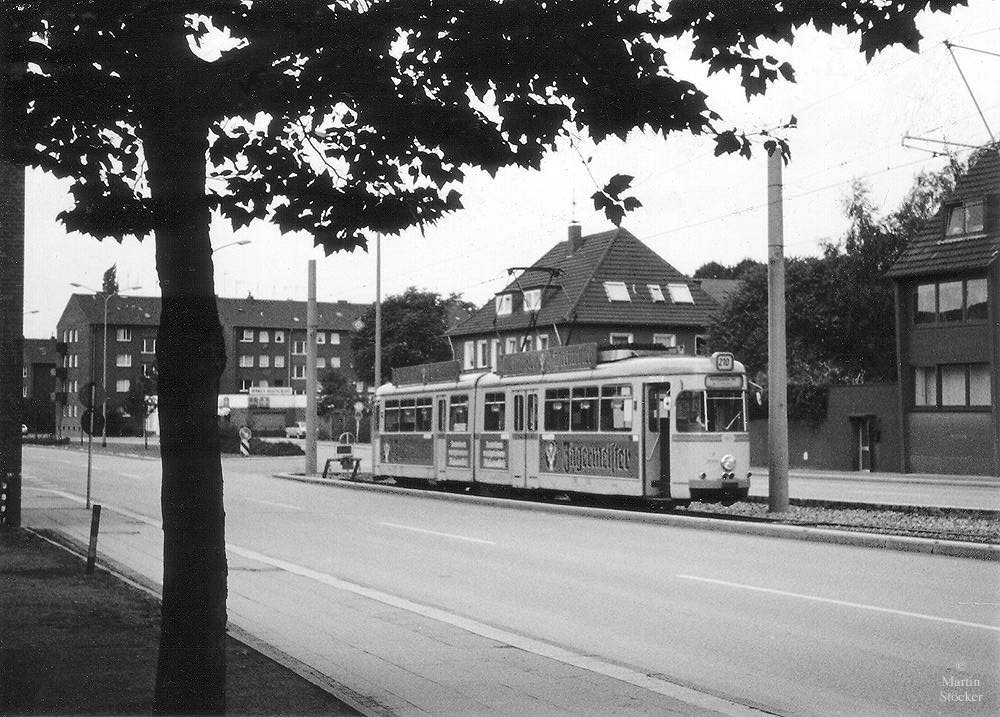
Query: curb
(951, 548)
(364, 705)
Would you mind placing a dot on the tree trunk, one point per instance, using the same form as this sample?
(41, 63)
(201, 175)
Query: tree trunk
(190, 356)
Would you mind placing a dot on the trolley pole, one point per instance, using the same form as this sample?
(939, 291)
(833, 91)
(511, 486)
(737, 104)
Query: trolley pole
(311, 383)
(777, 372)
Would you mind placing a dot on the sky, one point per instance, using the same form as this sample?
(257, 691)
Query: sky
(852, 118)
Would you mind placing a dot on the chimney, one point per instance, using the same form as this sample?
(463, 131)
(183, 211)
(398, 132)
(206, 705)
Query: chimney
(575, 238)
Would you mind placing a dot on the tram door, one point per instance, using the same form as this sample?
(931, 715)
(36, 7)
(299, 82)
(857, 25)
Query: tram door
(656, 440)
(440, 437)
(524, 440)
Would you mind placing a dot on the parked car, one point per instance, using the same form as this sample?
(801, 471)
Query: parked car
(296, 431)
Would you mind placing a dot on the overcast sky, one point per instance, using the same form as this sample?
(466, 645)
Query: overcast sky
(697, 208)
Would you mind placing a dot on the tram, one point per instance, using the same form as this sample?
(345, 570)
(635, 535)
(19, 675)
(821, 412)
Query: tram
(620, 421)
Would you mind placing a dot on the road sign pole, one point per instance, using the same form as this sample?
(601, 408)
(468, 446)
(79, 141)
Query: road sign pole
(90, 441)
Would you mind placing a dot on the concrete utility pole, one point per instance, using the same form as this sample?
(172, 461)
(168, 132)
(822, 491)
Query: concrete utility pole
(378, 343)
(311, 383)
(777, 371)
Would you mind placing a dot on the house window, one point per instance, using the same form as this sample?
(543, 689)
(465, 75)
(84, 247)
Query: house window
(123, 360)
(533, 300)
(320, 338)
(494, 352)
(298, 348)
(149, 346)
(247, 336)
(264, 361)
(122, 385)
(680, 293)
(655, 292)
(665, 340)
(701, 345)
(335, 362)
(123, 334)
(334, 337)
(950, 301)
(320, 362)
(299, 371)
(245, 385)
(264, 337)
(504, 304)
(614, 339)
(952, 385)
(482, 354)
(616, 291)
(279, 337)
(469, 355)
(279, 361)
(543, 342)
(148, 370)
(75, 360)
(511, 347)
(966, 218)
(246, 361)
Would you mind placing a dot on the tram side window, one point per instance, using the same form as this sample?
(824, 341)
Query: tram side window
(407, 415)
(583, 409)
(532, 412)
(725, 411)
(690, 411)
(391, 417)
(557, 409)
(616, 408)
(518, 412)
(442, 415)
(424, 415)
(494, 412)
(458, 415)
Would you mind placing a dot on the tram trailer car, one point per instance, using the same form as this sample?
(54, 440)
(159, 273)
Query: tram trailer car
(635, 422)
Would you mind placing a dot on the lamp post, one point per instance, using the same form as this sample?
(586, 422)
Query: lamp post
(104, 378)
(238, 242)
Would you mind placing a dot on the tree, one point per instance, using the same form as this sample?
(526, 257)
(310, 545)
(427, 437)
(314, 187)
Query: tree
(413, 332)
(840, 308)
(715, 270)
(338, 118)
(337, 396)
(109, 285)
(140, 401)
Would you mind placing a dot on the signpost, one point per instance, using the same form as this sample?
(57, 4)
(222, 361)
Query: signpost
(245, 435)
(90, 422)
(359, 411)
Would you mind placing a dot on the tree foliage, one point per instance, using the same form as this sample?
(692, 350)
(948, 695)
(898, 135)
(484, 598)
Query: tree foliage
(337, 394)
(413, 332)
(715, 270)
(840, 308)
(109, 284)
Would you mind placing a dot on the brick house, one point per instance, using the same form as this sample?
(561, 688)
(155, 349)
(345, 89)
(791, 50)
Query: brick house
(948, 331)
(265, 345)
(604, 288)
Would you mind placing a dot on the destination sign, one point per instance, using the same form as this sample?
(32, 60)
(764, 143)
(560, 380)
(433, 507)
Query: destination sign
(427, 373)
(728, 380)
(576, 357)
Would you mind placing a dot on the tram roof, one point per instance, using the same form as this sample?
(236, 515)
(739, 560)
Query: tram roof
(661, 365)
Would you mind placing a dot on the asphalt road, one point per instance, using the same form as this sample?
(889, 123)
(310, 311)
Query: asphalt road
(794, 627)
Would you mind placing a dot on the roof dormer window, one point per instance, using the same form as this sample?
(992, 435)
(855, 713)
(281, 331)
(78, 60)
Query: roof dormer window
(967, 218)
(616, 291)
(532, 299)
(504, 304)
(655, 292)
(680, 293)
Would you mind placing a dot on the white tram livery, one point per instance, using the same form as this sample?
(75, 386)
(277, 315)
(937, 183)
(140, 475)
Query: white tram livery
(620, 421)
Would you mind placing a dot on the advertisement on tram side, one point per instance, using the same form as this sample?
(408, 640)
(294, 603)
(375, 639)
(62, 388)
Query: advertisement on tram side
(412, 449)
(610, 456)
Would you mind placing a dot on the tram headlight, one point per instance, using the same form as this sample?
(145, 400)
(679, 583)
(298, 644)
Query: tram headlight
(728, 462)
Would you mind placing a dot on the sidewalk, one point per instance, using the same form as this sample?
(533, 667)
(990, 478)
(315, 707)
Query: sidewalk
(72, 643)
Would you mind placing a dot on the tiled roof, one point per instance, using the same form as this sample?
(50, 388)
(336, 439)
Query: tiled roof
(720, 289)
(934, 253)
(577, 294)
(248, 313)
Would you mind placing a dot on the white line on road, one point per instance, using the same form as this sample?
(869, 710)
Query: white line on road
(274, 503)
(442, 535)
(134, 476)
(537, 647)
(843, 603)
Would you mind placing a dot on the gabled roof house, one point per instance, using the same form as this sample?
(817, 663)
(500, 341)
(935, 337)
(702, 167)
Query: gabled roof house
(604, 288)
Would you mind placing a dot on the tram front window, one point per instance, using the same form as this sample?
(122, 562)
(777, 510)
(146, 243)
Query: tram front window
(713, 411)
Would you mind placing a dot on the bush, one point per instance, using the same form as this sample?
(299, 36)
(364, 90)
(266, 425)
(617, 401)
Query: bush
(48, 440)
(276, 448)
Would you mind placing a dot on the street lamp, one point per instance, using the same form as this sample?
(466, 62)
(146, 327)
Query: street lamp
(238, 242)
(104, 379)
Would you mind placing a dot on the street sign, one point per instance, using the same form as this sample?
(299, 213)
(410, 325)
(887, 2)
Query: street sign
(359, 408)
(87, 391)
(245, 435)
(92, 422)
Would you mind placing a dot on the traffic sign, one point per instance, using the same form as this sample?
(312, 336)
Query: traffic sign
(359, 408)
(90, 394)
(245, 433)
(92, 422)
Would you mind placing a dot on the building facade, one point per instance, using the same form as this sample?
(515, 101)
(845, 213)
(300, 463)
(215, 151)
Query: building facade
(606, 288)
(38, 387)
(265, 346)
(948, 331)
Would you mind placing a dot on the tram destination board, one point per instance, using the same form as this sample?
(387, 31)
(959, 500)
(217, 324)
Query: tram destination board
(576, 357)
(427, 373)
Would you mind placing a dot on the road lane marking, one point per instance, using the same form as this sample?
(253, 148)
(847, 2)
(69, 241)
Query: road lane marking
(274, 503)
(843, 603)
(134, 476)
(589, 662)
(442, 535)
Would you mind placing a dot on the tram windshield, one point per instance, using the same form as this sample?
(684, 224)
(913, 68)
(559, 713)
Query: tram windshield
(712, 411)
